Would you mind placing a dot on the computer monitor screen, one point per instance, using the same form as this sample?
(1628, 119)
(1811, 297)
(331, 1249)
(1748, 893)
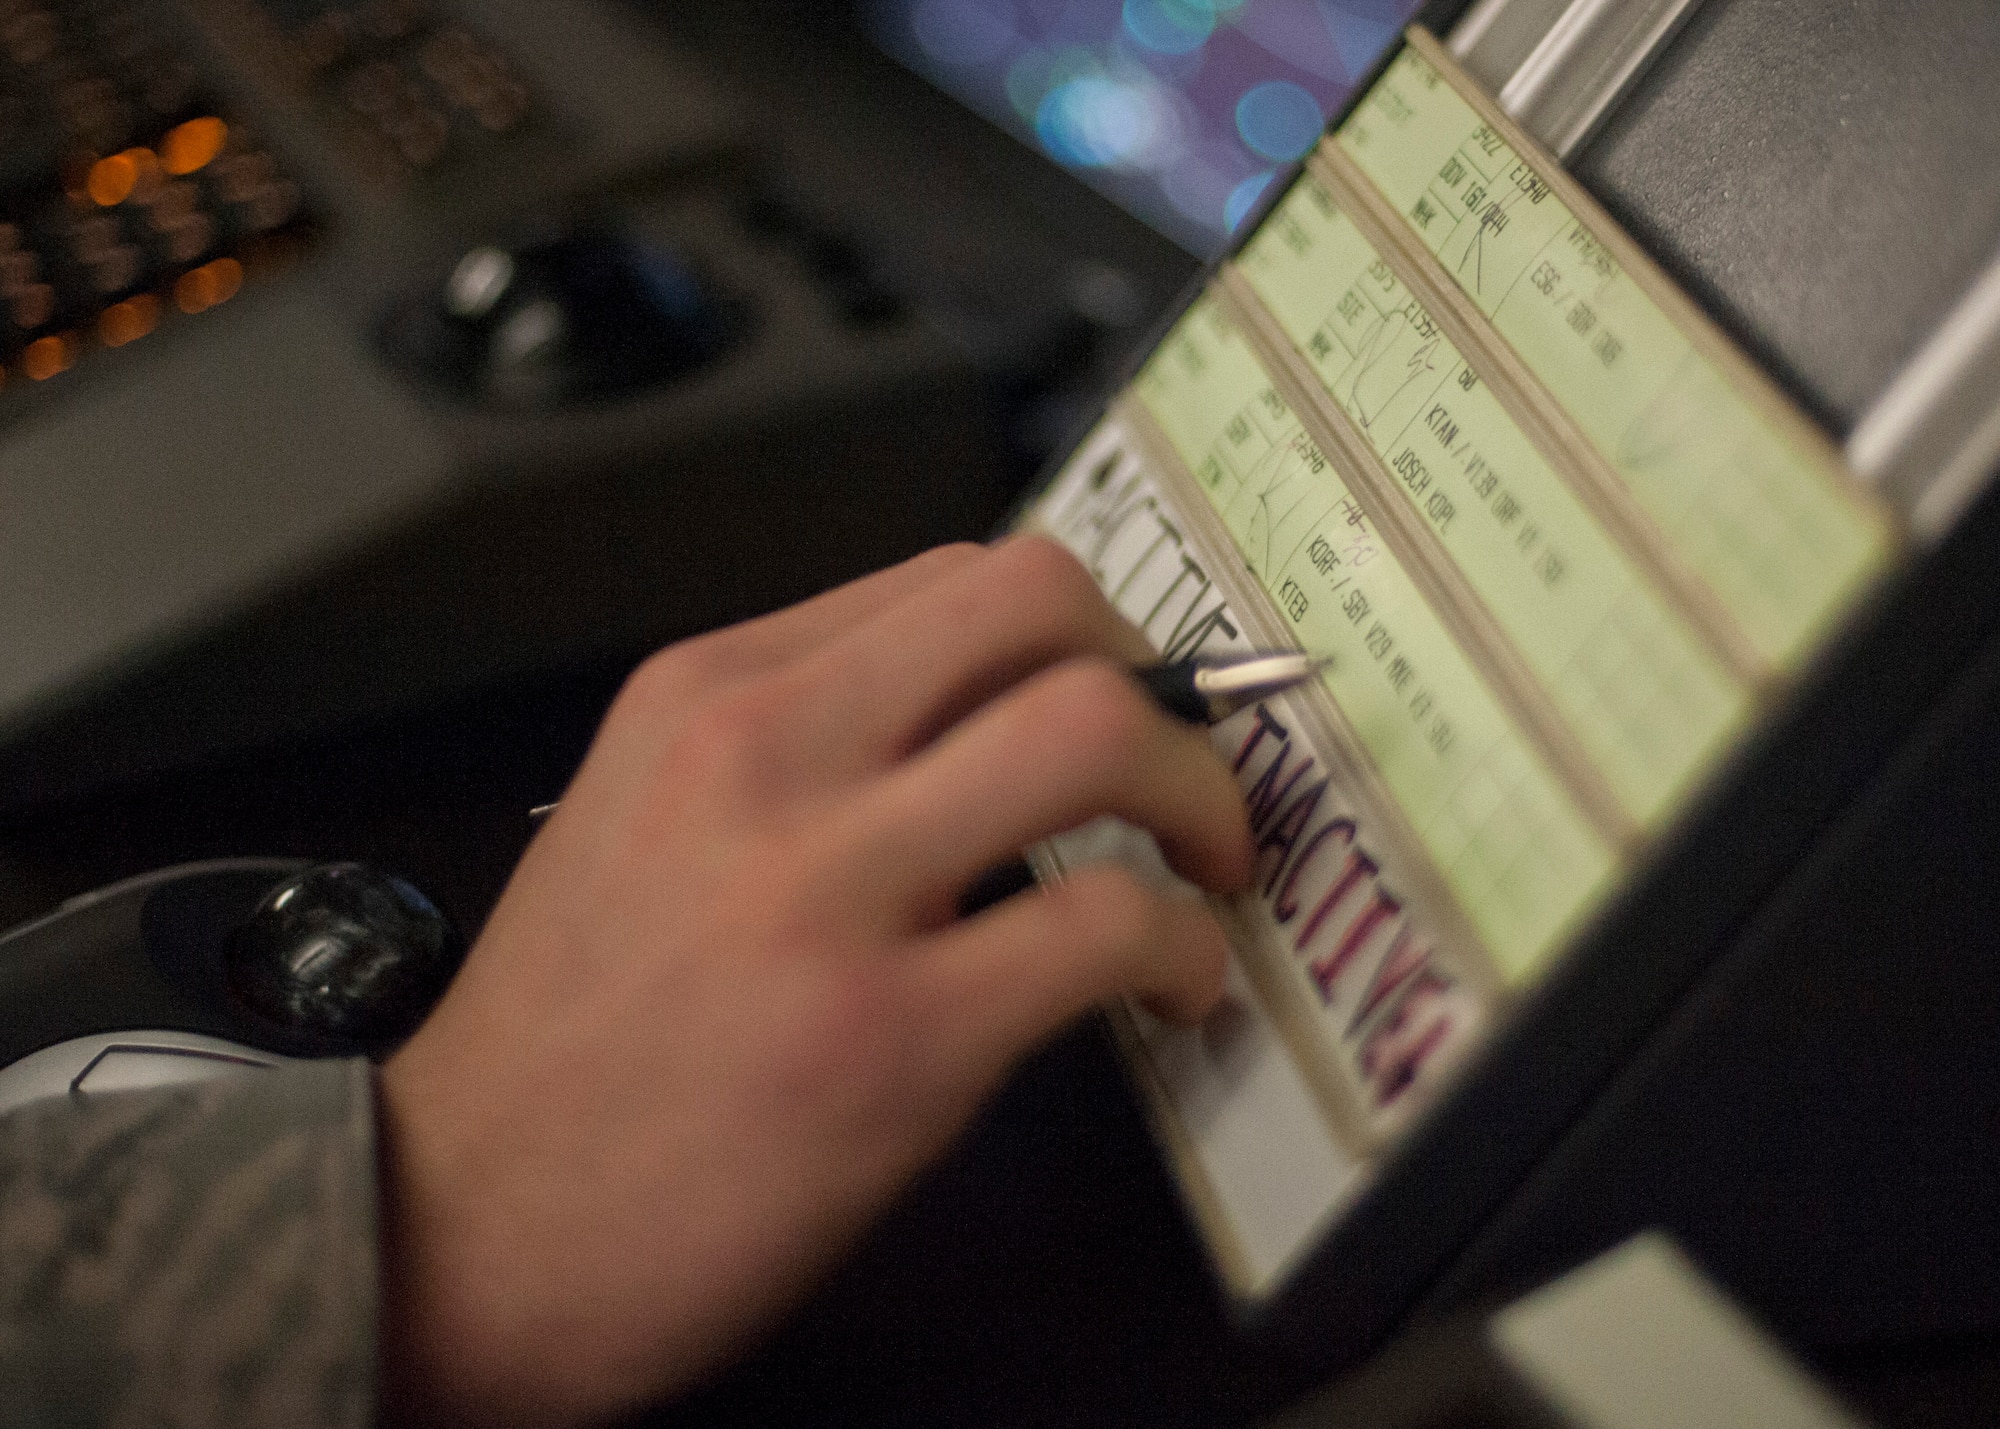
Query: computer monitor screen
(1183, 111)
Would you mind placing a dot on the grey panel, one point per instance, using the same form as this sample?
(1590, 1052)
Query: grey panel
(1586, 63)
(193, 476)
(245, 531)
(1824, 173)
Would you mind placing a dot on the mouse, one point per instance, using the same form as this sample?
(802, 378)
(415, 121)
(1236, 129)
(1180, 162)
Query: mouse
(215, 969)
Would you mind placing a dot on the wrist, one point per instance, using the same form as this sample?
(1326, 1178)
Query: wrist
(435, 1331)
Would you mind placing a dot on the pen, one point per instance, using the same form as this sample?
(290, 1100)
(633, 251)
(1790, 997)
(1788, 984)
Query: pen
(1204, 690)
(1209, 689)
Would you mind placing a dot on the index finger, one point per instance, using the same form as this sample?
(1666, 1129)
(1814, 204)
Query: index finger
(1059, 750)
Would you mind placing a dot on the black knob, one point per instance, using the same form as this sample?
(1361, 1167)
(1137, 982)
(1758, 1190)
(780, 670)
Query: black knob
(586, 317)
(344, 954)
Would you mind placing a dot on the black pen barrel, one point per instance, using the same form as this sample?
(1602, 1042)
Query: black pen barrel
(1171, 687)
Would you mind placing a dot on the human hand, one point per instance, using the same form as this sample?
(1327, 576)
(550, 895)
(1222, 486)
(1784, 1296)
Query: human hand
(725, 1010)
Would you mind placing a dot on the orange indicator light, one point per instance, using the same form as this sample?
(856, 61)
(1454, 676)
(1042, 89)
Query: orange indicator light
(129, 321)
(193, 145)
(192, 290)
(228, 278)
(202, 288)
(46, 356)
(112, 180)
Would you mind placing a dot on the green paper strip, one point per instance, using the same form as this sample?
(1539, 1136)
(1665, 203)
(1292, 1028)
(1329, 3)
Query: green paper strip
(1645, 697)
(1521, 858)
(1759, 519)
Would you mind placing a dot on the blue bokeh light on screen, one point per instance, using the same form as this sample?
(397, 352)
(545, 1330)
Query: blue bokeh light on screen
(1169, 27)
(1244, 197)
(1279, 120)
(1097, 121)
(1182, 110)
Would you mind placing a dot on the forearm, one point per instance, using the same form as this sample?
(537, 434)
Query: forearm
(200, 1256)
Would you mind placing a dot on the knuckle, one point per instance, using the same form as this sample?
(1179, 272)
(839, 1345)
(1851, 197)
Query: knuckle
(950, 558)
(724, 737)
(1073, 613)
(1116, 909)
(664, 680)
(1104, 717)
(848, 1040)
(1044, 566)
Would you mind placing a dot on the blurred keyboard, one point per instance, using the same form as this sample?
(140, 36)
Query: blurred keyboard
(423, 89)
(237, 512)
(130, 194)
